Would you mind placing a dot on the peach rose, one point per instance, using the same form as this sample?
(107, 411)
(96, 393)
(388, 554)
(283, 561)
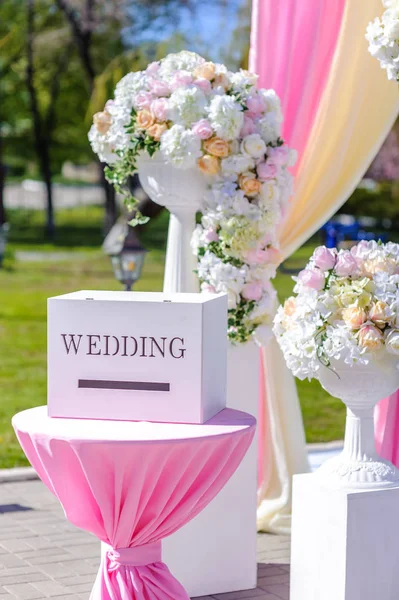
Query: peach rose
(102, 121)
(208, 164)
(380, 313)
(370, 337)
(354, 317)
(217, 147)
(373, 266)
(157, 130)
(205, 71)
(221, 80)
(290, 306)
(249, 184)
(144, 119)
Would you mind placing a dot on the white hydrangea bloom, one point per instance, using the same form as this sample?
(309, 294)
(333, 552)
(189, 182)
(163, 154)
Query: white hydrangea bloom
(181, 61)
(187, 105)
(237, 163)
(181, 147)
(269, 128)
(272, 103)
(102, 146)
(130, 85)
(383, 38)
(226, 117)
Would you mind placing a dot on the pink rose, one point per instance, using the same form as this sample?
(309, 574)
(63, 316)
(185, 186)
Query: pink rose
(152, 68)
(255, 256)
(181, 79)
(206, 287)
(278, 156)
(312, 278)
(324, 258)
(211, 236)
(204, 85)
(346, 265)
(203, 129)
(248, 128)
(258, 256)
(252, 291)
(159, 88)
(255, 105)
(160, 108)
(143, 100)
(266, 170)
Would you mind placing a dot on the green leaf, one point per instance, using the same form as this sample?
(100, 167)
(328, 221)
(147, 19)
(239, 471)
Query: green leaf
(138, 219)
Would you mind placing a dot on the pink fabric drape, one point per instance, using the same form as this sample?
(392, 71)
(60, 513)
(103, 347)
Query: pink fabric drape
(386, 418)
(133, 483)
(292, 45)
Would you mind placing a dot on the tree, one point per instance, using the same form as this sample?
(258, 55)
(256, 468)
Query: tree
(85, 17)
(43, 124)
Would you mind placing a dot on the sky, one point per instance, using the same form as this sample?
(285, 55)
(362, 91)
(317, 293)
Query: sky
(208, 29)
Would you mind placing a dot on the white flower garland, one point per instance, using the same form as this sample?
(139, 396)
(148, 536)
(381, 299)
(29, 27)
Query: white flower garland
(199, 113)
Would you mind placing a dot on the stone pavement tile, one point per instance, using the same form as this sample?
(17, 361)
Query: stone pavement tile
(244, 595)
(27, 576)
(15, 546)
(8, 561)
(81, 588)
(57, 571)
(50, 589)
(282, 591)
(76, 579)
(86, 551)
(265, 570)
(272, 579)
(82, 567)
(23, 591)
(43, 556)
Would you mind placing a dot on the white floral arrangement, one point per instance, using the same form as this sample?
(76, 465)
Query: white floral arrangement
(346, 308)
(383, 38)
(199, 114)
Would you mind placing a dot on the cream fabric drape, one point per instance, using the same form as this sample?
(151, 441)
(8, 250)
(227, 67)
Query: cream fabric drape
(356, 111)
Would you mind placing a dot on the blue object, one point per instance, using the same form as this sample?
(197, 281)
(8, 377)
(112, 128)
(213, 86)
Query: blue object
(336, 232)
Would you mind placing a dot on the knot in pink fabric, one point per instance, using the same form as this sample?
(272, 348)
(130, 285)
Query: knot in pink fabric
(138, 556)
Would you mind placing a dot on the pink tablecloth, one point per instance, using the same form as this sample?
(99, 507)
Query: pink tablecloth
(132, 484)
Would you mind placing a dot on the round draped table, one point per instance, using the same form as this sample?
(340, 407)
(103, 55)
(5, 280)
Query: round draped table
(132, 484)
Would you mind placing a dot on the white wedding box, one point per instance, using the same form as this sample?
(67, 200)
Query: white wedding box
(137, 356)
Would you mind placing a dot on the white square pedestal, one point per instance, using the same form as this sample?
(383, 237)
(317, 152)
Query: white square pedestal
(216, 552)
(345, 544)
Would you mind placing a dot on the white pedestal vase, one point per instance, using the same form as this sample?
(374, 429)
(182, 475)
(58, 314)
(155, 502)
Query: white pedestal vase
(360, 387)
(216, 552)
(181, 191)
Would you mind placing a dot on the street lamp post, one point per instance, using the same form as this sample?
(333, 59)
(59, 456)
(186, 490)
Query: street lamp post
(127, 255)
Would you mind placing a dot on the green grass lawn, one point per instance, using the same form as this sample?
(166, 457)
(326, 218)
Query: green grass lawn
(25, 287)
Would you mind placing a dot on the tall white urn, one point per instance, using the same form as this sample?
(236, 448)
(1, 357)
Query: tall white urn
(229, 563)
(181, 191)
(360, 387)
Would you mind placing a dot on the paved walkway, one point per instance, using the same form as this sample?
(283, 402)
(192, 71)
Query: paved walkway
(43, 556)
